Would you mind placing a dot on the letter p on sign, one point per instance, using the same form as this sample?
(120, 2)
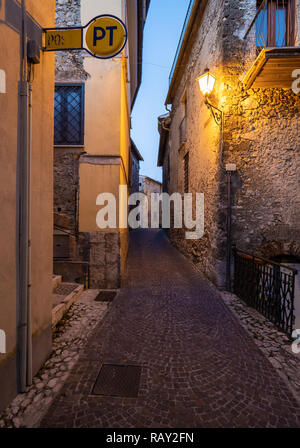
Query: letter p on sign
(2, 342)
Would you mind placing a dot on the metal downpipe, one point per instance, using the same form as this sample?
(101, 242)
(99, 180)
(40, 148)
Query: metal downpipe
(23, 220)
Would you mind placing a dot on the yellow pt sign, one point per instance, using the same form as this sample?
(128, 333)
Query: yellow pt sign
(106, 36)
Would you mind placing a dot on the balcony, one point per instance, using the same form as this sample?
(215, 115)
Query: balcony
(274, 30)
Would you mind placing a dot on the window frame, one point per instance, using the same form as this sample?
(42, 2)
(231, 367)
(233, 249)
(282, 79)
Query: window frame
(290, 23)
(82, 112)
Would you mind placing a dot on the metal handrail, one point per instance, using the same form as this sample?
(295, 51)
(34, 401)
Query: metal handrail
(265, 286)
(266, 260)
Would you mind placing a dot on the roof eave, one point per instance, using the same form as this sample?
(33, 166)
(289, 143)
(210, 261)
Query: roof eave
(136, 151)
(186, 37)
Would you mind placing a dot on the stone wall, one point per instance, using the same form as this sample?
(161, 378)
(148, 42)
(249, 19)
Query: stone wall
(261, 136)
(203, 145)
(69, 64)
(66, 181)
(105, 267)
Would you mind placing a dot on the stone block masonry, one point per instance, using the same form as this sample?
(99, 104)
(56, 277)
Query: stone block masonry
(66, 181)
(69, 64)
(105, 269)
(260, 135)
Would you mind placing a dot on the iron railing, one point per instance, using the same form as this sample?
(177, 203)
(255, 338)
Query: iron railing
(268, 287)
(275, 24)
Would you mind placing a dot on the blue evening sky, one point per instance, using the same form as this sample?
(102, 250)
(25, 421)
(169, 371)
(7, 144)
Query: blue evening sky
(162, 32)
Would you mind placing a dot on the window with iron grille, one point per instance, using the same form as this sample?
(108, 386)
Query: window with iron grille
(69, 114)
(186, 173)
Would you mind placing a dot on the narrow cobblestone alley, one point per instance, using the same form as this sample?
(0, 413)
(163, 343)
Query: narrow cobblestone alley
(199, 366)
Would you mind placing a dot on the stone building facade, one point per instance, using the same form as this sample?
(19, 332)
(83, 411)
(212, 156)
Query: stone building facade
(259, 133)
(136, 158)
(147, 186)
(163, 161)
(100, 161)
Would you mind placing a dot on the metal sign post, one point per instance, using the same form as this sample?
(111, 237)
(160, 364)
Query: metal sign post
(103, 37)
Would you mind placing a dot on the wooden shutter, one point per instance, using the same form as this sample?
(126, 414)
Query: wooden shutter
(291, 23)
(271, 24)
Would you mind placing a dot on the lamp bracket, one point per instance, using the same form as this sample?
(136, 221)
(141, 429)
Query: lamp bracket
(217, 113)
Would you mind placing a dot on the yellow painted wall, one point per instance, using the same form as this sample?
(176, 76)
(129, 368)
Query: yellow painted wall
(125, 151)
(42, 175)
(107, 124)
(93, 8)
(95, 179)
(9, 62)
(102, 106)
(41, 181)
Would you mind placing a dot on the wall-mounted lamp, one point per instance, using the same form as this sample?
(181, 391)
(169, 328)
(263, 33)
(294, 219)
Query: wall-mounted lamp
(206, 84)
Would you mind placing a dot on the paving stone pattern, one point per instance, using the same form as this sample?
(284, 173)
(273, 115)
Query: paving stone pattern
(274, 344)
(70, 339)
(200, 367)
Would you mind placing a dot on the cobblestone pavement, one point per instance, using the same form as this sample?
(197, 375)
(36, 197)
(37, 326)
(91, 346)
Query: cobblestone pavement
(70, 339)
(274, 344)
(200, 368)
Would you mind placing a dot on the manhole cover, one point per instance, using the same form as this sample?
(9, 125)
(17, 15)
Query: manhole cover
(106, 296)
(118, 381)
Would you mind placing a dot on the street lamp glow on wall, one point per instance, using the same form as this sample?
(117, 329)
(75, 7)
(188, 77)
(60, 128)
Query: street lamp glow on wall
(206, 84)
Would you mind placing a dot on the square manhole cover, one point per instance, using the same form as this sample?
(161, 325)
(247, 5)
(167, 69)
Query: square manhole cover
(106, 296)
(118, 381)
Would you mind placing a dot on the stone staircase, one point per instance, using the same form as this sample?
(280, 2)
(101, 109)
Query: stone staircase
(63, 296)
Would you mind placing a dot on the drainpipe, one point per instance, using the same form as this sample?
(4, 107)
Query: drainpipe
(24, 338)
(29, 332)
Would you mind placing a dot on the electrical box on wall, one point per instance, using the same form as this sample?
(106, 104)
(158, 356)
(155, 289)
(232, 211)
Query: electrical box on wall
(33, 52)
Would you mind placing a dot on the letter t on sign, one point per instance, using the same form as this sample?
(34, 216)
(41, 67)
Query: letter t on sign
(111, 34)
